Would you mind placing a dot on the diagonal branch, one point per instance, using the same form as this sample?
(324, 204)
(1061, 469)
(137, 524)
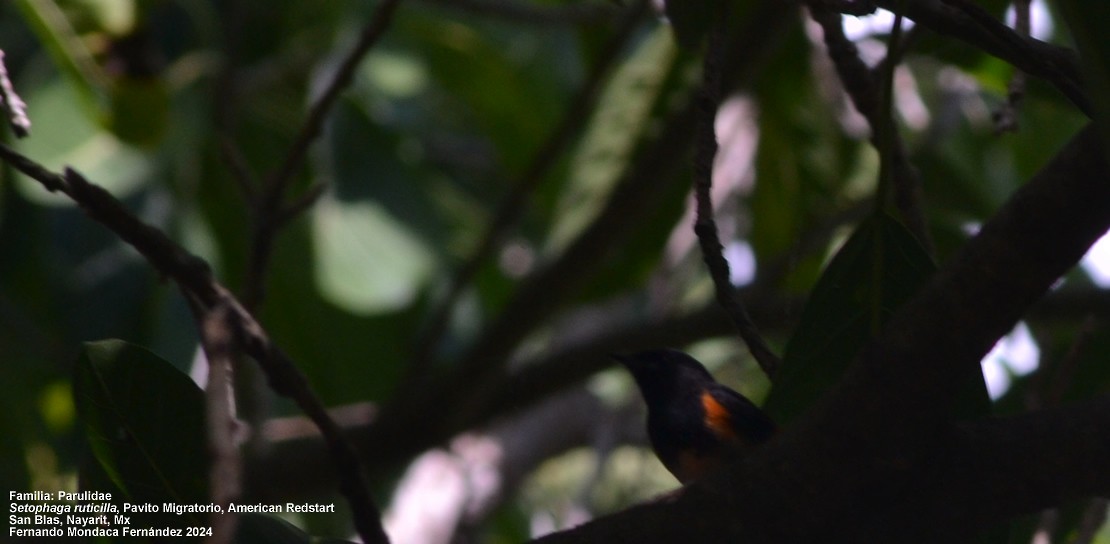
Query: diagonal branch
(270, 211)
(967, 21)
(194, 276)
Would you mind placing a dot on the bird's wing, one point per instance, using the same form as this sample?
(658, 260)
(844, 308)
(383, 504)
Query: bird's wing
(731, 416)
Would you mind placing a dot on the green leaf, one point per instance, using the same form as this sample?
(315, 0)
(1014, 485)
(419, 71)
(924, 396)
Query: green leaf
(66, 136)
(144, 422)
(372, 232)
(629, 103)
(140, 110)
(880, 267)
(67, 50)
(347, 357)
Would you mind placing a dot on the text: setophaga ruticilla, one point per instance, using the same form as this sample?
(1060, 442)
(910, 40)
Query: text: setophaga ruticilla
(694, 423)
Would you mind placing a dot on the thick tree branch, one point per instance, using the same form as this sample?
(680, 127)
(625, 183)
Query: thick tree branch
(876, 443)
(1001, 468)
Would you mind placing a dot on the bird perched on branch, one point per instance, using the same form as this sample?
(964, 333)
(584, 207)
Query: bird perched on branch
(694, 423)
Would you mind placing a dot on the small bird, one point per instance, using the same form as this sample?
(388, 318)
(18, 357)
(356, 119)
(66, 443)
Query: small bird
(694, 423)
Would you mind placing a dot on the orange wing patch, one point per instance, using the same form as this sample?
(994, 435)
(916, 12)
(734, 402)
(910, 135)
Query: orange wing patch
(717, 418)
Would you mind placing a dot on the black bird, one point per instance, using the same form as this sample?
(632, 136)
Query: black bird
(694, 423)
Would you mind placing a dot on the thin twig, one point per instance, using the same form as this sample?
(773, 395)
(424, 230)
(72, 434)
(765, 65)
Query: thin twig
(241, 173)
(10, 101)
(516, 202)
(312, 126)
(217, 338)
(861, 86)
(1006, 118)
(270, 210)
(705, 226)
(967, 21)
(303, 202)
(194, 276)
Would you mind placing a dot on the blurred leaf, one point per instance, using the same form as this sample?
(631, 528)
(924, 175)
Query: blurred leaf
(624, 110)
(804, 162)
(64, 136)
(144, 422)
(374, 235)
(139, 110)
(369, 262)
(691, 19)
(347, 357)
(68, 51)
(878, 269)
(502, 83)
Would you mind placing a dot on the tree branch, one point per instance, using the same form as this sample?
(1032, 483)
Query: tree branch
(879, 442)
(1005, 467)
(217, 337)
(270, 210)
(860, 84)
(630, 203)
(705, 152)
(194, 276)
(12, 103)
(966, 21)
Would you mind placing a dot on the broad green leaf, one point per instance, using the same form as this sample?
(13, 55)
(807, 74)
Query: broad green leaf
(501, 83)
(878, 268)
(67, 50)
(609, 144)
(144, 423)
(347, 357)
(66, 136)
(371, 235)
(139, 110)
(369, 262)
(806, 168)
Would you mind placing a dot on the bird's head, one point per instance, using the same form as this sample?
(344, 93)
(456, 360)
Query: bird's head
(660, 371)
